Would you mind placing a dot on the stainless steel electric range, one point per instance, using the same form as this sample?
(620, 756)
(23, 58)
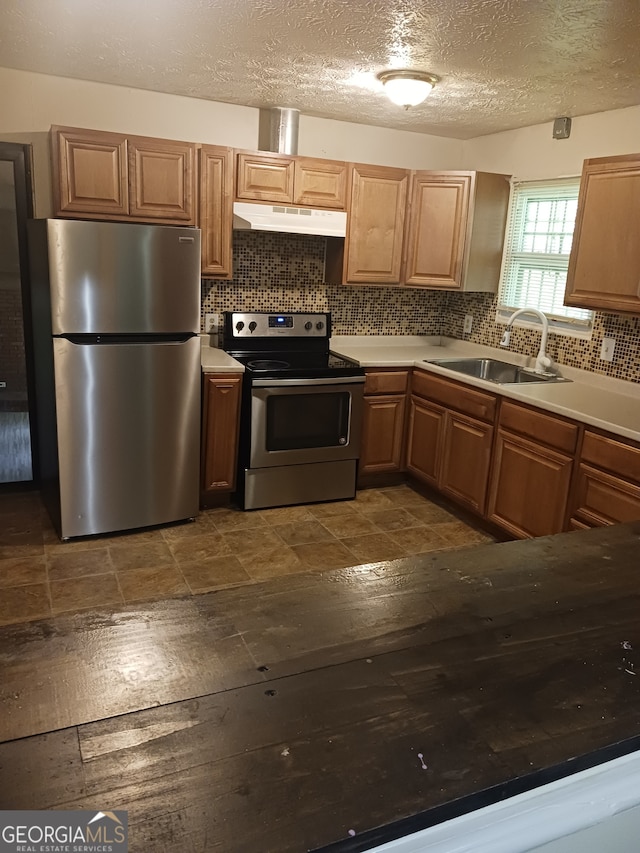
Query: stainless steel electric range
(301, 412)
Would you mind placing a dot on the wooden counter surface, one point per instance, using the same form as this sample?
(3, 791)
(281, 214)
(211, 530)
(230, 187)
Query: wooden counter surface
(286, 715)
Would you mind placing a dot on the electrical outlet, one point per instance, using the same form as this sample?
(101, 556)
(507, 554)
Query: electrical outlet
(211, 322)
(468, 323)
(607, 349)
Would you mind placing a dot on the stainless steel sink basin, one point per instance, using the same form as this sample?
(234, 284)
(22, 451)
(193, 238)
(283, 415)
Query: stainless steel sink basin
(493, 370)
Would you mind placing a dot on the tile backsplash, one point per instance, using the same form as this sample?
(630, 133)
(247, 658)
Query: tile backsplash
(285, 272)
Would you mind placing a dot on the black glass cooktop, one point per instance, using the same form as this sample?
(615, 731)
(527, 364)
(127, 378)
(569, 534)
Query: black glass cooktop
(296, 365)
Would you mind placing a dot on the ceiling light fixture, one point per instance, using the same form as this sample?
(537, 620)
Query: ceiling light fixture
(405, 87)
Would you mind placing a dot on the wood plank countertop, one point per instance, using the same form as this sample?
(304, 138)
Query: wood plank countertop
(330, 710)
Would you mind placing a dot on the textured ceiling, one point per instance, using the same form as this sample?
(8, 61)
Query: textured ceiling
(503, 63)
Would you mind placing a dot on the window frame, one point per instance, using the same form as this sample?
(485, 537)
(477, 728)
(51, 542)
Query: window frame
(579, 327)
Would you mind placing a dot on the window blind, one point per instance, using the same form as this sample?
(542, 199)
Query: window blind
(538, 241)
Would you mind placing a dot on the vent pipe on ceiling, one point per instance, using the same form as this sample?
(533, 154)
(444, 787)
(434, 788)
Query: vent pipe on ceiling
(278, 130)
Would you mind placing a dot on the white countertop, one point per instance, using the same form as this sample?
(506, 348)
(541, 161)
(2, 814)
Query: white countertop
(608, 404)
(214, 360)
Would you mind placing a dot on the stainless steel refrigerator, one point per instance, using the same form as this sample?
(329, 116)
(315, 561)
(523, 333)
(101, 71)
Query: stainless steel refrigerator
(116, 316)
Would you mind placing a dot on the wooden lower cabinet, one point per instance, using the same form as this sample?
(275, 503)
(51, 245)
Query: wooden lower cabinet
(607, 482)
(220, 427)
(533, 461)
(451, 451)
(466, 459)
(424, 440)
(382, 434)
(529, 486)
(601, 498)
(383, 422)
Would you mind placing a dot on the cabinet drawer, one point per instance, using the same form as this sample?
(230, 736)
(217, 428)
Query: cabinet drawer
(386, 382)
(453, 395)
(602, 499)
(541, 427)
(611, 455)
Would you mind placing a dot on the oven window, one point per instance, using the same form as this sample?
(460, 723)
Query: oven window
(298, 421)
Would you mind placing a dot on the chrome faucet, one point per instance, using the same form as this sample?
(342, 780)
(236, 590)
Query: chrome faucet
(543, 362)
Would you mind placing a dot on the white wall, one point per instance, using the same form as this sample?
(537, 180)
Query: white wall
(361, 143)
(31, 103)
(532, 152)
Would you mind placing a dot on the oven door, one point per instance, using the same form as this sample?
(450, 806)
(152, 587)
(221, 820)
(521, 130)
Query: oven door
(296, 421)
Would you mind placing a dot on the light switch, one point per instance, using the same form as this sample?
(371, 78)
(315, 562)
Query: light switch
(607, 349)
(468, 323)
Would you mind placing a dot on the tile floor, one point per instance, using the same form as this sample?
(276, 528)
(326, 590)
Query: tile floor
(41, 576)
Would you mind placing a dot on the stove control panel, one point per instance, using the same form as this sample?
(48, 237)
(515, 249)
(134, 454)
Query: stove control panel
(249, 324)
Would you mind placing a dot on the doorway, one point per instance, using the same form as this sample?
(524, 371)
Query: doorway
(16, 206)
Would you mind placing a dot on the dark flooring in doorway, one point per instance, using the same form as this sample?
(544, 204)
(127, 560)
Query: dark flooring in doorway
(41, 576)
(15, 447)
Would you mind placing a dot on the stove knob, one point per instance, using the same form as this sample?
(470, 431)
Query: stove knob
(319, 326)
(308, 325)
(252, 326)
(239, 325)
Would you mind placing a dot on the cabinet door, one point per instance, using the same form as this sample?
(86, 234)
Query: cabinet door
(320, 183)
(424, 440)
(265, 177)
(220, 423)
(376, 225)
(529, 487)
(601, 499)
(437, 229)
(382, 433)
(216, 210)
(89, 173)
(162, 180)
(604, 266)
(466, 457)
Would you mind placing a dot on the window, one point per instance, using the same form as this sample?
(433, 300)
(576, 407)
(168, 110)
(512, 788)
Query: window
(536, 255)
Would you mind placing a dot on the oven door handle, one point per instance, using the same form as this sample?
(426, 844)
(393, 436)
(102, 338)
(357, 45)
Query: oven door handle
(303, 383)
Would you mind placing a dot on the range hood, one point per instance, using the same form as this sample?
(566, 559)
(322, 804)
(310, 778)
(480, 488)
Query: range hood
(288, 220)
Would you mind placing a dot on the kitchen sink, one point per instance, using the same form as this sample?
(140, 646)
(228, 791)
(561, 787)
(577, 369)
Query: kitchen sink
(500, 372)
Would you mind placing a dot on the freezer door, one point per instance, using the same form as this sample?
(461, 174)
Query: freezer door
(121, 278)
(128, 420)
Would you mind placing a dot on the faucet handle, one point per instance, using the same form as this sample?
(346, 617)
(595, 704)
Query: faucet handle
(506, 338)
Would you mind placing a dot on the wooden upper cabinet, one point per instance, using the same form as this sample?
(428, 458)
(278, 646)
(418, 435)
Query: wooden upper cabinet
(321, 183)
(437, 229)
(100, 175)
(162, 176)
(604, 266)
(376, 225)
(456, 228)
(283, 179)
(90, 172)
(265, 177)
(216, 210)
